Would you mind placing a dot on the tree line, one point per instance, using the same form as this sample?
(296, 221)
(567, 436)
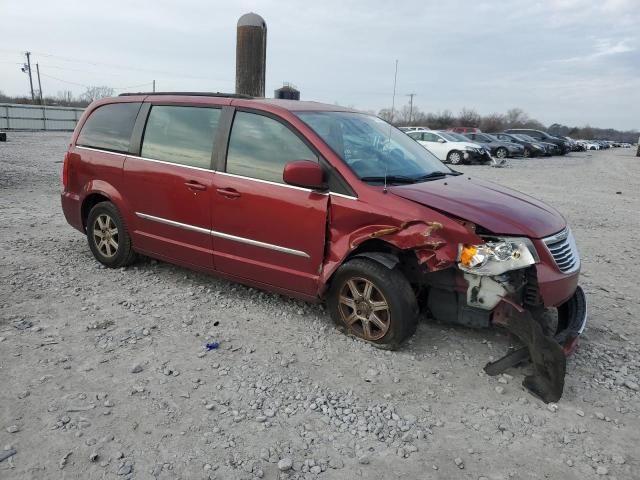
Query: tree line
(497, 122)
(63, 98)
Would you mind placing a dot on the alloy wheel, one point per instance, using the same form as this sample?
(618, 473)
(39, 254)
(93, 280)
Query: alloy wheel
(454, 158)
(501, 153)
(105, 235)
(364, 309)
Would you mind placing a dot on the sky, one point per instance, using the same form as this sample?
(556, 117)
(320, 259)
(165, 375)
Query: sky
(574, 62)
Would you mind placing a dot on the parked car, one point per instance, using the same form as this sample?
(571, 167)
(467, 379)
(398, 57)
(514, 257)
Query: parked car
(530, 147)
(550, 148)
(450, 149)
(589, 145)
(539, 135)
(410, 129)
(464, 129)
(498, 148)
(326, 204)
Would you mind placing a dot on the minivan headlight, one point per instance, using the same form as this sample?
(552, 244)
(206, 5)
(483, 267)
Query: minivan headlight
(496, 256)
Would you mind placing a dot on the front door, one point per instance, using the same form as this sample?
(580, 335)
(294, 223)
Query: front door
(169, 186)
(264, 230)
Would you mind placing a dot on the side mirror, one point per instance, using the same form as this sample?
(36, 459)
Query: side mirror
(442, 140)
(304, 173)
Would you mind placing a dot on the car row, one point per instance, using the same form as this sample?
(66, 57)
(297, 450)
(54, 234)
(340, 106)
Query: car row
(470, 145)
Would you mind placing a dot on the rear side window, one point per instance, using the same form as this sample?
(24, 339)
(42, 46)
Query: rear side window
(260, 147)
(182, 135)
(109, 127)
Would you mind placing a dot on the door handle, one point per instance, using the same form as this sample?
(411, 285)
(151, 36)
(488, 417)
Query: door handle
(228, 192)
(193, 185)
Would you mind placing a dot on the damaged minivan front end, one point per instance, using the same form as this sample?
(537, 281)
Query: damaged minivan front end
(502, 279)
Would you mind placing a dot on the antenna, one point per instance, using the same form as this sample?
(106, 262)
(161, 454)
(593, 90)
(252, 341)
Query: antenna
(393, 105)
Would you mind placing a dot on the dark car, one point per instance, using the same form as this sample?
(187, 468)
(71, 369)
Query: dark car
(531, 147)
(326, 204)
(498, 148)
(563, 145)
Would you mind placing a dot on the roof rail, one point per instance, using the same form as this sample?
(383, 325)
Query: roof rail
(190, 94)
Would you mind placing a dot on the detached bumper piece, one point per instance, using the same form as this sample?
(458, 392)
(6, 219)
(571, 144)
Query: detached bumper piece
(547, 354)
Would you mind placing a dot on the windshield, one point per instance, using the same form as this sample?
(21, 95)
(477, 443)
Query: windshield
(450, 136)
(372, 148)
(524, 138)
(496, 139)
(483, 138)
(458, 137)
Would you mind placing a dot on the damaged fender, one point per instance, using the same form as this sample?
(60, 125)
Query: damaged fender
(434, 245)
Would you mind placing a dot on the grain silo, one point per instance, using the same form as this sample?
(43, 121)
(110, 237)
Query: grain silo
(251, 55)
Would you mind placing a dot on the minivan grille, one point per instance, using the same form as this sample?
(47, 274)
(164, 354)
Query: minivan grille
(564, 251)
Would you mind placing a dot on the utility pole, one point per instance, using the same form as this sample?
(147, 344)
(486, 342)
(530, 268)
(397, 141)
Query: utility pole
(411, 95)
(39, 84)
(28, 54)
(154, 86)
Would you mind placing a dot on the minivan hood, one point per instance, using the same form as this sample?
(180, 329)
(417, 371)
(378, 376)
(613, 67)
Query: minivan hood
(496, 208)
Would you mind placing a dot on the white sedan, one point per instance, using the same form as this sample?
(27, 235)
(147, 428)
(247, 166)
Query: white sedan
(449, 149)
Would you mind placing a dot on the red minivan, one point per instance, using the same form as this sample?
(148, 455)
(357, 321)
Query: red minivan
(326, 204)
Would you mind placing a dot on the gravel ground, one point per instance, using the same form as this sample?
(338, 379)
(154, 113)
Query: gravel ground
(104, 374)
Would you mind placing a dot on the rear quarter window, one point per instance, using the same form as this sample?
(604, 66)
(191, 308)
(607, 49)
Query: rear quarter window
(109, 127)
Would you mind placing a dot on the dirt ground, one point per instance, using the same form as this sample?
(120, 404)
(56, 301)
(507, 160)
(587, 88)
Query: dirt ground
(104, 374)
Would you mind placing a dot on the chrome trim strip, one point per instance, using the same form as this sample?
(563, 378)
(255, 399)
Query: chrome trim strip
(184, 226)
(268, 182)
(256, 243)
(172, 164)
(147, 159)
(100, 151)
(226, 236)
(216, 172)
(349, 197)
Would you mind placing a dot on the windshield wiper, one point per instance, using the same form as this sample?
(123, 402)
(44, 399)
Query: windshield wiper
(390, 179)
(436, 175)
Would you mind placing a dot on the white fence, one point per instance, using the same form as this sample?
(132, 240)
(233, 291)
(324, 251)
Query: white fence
(38, 117)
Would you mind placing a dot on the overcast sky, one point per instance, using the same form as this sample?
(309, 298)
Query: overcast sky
(574, 62)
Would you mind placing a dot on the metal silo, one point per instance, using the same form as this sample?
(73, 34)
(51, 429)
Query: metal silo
(287, 92)
(251, 55)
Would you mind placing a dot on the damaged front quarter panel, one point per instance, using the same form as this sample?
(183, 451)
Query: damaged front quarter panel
(434, 242)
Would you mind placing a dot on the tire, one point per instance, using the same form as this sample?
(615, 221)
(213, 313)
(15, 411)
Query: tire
(394, 324)
(526, 153)
(108, 237)
(502, 153)
(454, 157)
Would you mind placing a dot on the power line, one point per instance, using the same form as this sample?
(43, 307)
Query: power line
(88, 86)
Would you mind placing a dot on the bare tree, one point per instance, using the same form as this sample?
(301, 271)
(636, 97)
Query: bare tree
(516, 118)
(494, 122)
(441, 120)
(387, 115)
(96, 93)
(468, 117)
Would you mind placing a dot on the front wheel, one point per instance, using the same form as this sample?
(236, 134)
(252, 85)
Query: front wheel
(501, 152)
(372, 302)
(108, 237)
(526, 153)
(454, 157)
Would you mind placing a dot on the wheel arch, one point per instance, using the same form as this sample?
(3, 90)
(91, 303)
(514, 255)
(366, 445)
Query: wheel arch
(100, 191)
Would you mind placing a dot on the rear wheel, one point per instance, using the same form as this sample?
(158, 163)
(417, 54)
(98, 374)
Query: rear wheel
(454, 157)
(108, 237)
(372, 302)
